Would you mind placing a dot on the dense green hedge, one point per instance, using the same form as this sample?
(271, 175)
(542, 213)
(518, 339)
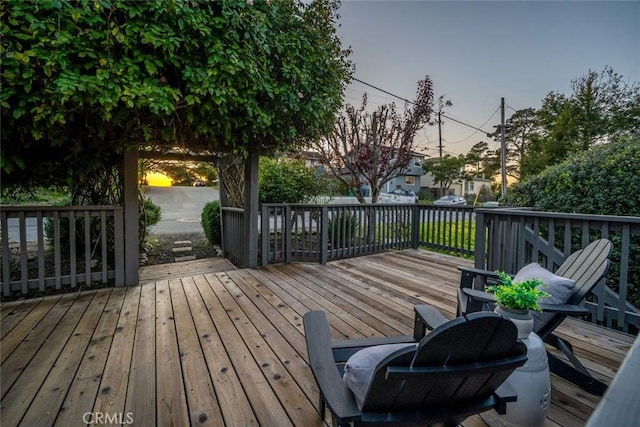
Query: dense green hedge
(604, 180)
(149, 214)
(211, 222)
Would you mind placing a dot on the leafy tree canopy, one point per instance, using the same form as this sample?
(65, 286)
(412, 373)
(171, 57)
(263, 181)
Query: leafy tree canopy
(288, 180)
(83, 80)
(601, 107)
(447, 170)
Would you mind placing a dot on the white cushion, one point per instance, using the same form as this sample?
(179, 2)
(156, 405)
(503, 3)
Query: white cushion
(559, 289)
(360, 368)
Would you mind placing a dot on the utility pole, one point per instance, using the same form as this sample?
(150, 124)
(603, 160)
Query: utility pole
(440, 144)
(440, 132)
(503, 150)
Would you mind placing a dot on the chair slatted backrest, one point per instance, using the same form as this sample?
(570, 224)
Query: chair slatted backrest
(586, 267)
(463, 360)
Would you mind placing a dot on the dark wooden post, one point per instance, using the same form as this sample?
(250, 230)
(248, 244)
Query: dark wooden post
(324, 234)
(130, 202)
(415, 226)
(251, 211)
(480, 255)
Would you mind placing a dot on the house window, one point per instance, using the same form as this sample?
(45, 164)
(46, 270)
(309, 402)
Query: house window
(410, 180)
(417, 161)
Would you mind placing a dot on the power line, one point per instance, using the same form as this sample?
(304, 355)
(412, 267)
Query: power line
(465, 124)
(413, 103)
(476, 131)
(384, 91)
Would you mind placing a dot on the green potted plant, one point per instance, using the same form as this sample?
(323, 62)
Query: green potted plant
(515, 299)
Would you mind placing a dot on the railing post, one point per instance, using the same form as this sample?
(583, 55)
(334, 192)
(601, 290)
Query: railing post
(6, 253)
(251, 211)
(324, 234)
(415, 226)
(480, 255)
(118, 237)
(130, 202)
(286, 233)
(265, 234)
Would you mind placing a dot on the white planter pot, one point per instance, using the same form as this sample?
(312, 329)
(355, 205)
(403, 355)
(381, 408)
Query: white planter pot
(521, 318)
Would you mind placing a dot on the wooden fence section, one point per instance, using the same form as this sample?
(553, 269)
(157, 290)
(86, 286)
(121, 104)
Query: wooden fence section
(45, 246)
(321, 233)
(234, 240)
(507, 239)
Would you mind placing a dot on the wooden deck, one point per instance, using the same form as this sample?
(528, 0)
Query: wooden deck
(227, 348)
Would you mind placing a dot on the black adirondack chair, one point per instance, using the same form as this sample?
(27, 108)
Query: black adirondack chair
(457, 370)
(587, 267)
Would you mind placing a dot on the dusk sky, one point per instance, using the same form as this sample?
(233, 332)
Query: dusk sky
(479, 51)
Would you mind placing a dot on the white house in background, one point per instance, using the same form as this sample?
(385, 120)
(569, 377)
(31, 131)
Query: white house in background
(473, 187)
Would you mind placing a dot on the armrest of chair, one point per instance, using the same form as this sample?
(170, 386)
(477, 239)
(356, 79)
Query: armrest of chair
(568, 309)
(333, 389)
(470, 273)
(426, 317)
(478, 295)
(468, 281)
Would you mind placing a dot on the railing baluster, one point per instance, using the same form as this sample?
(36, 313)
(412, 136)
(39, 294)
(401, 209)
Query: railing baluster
(41, 266)
(72, 249)
(103, 241)
(57, 249)
(24, 276)
(6, 254)
(87, 247)
(623, 279)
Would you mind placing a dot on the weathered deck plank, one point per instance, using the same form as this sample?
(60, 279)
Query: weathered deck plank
(152, 273)
(82, 393)
(227, 348)
(234, 404)
(51, 395)
(51, 342)
(266, 406)
(114, 380)
(171, 407)
(141, 391)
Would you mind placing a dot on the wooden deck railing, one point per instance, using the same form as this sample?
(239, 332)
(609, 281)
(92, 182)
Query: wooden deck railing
(45, 246)
(507, 239)
(295, 232)
(300, 232)
(497, 238)
(233, 238)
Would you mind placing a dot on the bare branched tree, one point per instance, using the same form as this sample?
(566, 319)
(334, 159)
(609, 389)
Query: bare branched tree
(374, 147)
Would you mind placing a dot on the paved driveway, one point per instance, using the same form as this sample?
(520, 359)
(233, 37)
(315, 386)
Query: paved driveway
(181, 207)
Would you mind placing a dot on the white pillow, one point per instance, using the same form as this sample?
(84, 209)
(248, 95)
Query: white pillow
(559, 289)
(360, 368)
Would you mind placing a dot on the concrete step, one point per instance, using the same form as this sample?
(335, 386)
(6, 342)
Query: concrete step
(182, 251)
